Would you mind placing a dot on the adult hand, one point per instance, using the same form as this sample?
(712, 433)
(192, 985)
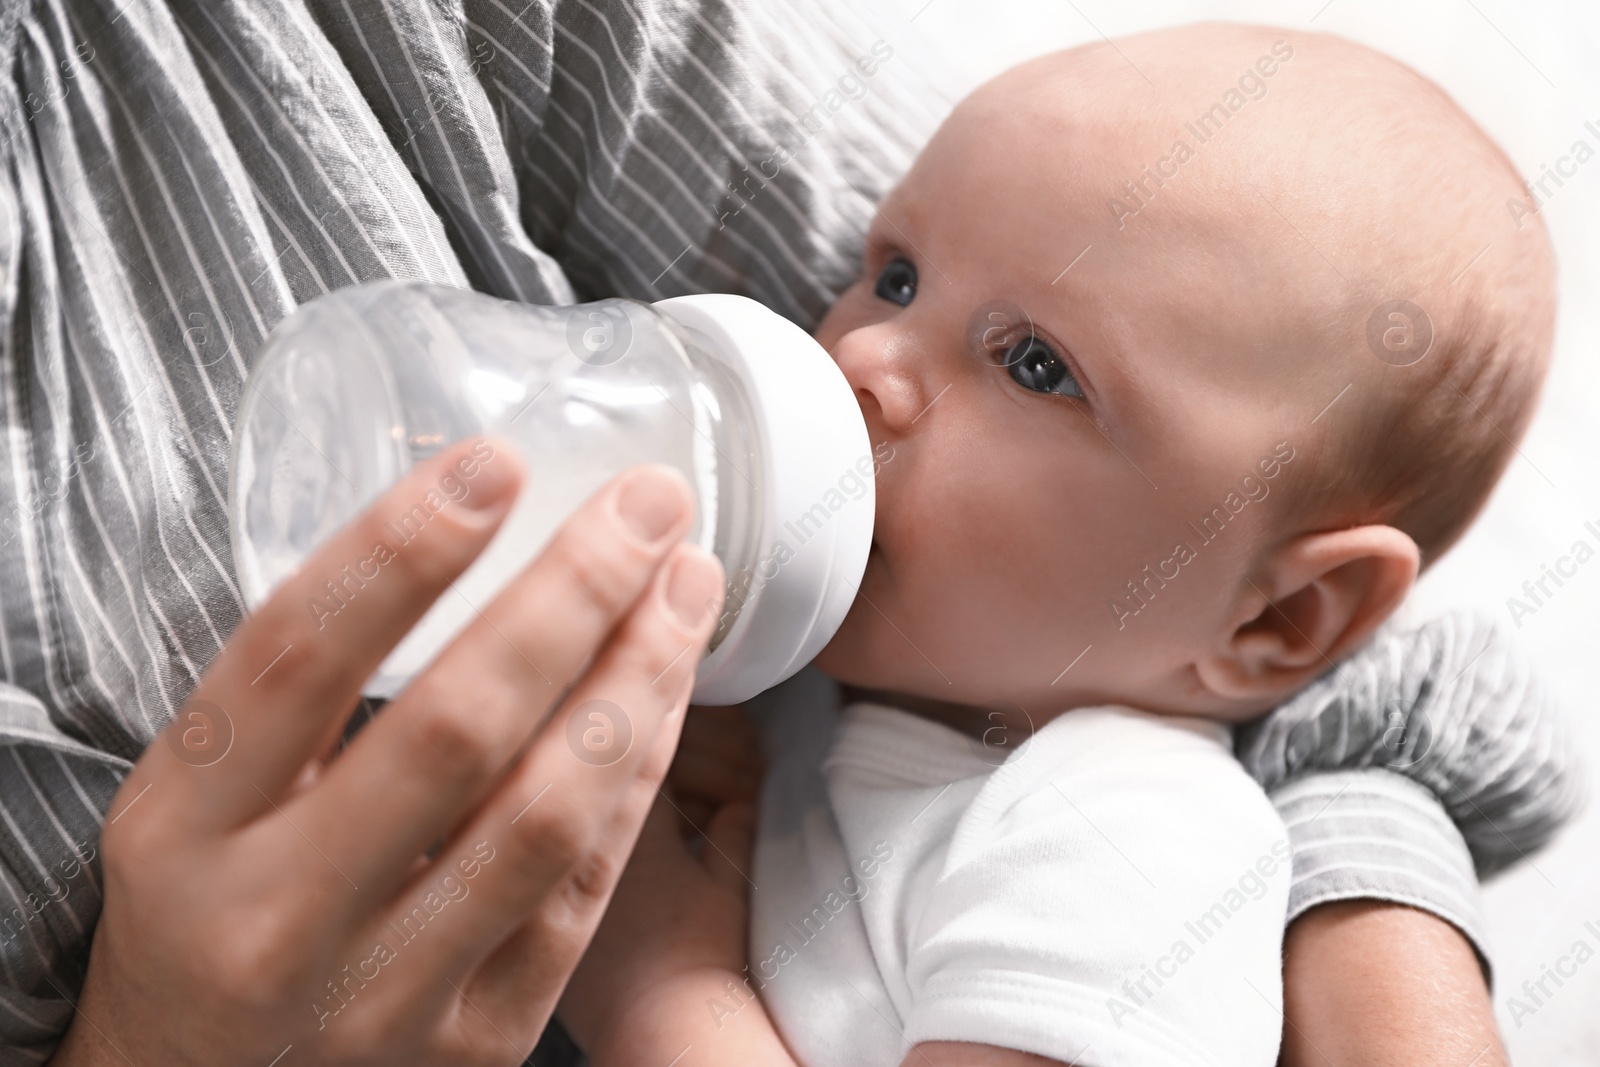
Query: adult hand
(422, 897)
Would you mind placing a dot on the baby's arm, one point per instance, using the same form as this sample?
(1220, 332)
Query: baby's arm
(654, 985)
(1429, 758)
(673, 940)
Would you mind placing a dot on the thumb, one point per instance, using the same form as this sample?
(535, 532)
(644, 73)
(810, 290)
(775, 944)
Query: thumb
(729, 840)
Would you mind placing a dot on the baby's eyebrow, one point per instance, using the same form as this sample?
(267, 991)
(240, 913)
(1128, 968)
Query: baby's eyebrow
(876, 240)
(895, 215)
(886, 232)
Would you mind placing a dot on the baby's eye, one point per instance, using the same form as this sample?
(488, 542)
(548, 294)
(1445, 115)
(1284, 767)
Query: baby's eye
(1034, 365)
(897, 282)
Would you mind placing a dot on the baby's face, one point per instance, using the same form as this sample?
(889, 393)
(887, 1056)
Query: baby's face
(1068, 400)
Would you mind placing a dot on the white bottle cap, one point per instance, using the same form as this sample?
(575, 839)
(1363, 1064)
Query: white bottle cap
(818, 500)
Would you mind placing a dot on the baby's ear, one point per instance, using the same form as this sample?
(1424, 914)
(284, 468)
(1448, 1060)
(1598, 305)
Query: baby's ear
(1317, 597)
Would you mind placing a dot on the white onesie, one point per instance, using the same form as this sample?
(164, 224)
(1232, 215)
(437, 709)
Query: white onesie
(1113, 894)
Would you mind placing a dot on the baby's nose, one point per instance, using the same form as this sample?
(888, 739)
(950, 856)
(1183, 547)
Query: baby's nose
(883, 369)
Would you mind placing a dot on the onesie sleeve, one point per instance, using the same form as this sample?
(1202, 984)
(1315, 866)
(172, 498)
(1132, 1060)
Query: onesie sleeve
(1431, 757)
(1115, 896)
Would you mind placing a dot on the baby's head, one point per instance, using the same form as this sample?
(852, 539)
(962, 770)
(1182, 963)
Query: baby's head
(1192, 349)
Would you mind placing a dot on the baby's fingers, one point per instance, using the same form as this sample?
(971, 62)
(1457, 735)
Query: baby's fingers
(730, 840)
(705, 776)
(718, 761)
(724, 732)
(693, 813)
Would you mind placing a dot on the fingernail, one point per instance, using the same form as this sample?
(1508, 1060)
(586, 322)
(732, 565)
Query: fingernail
(490, 475)
(694, 588)
(650, 503)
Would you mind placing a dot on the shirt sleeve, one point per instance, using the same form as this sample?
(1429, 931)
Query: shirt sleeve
(1372, 834)
(1431, 757)
(1125, 907)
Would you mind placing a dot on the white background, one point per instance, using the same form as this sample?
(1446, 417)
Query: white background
(1529, 72)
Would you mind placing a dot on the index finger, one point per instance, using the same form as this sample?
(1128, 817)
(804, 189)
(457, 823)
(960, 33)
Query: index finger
(291, 673)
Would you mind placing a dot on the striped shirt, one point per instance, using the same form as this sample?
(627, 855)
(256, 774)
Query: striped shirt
(177, 175)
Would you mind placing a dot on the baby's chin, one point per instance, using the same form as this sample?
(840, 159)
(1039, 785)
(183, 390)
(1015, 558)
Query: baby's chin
(837, 659)
(847, 658)
(849, 661)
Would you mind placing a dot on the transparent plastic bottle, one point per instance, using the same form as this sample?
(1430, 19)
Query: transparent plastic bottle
(357, 386)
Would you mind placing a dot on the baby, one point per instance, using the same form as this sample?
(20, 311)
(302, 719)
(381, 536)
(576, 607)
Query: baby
(1192, 350)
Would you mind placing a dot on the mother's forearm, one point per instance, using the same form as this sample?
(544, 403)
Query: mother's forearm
(1378, 984)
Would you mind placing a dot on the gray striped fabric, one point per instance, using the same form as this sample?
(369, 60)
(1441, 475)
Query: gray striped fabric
(176, 176)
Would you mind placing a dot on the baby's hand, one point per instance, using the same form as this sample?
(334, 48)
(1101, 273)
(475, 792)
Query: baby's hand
(674, 917)
(676, 926)
(718, 763)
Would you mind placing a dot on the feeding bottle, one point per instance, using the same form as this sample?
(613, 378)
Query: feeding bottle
(356, 387)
